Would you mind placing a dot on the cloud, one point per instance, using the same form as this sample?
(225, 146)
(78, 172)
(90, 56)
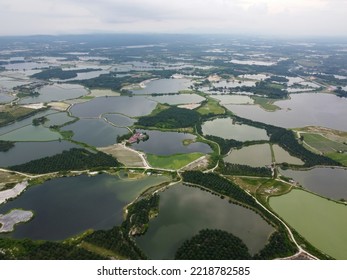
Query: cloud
(279, 17)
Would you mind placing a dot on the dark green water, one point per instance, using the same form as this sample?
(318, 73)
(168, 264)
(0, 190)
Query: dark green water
(68, 206)
(26, 151)
(325, 181)
(184, 211)
(130, 106)
(95, 132)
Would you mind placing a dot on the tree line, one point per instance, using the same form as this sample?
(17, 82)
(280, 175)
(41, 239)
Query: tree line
(43, 250)
(227, 168)
(225, 144)
(139, 215)
(286, 139)
(111, 81)
(116, 240)
(61, 74)
(74, 159)
(172, 117)
(219, 185)
(221, 245)
(213, 244)
(278, 246)
(340, 92)
(277, 79)
(119, 239)
(6, 145)
(264, 88)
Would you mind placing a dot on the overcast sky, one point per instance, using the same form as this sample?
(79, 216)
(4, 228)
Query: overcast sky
(253, 17)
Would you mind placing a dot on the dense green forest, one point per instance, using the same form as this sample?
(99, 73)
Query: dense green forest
(267, 89)
(61, 74)
(172, 117)
(116, 240)
(42, 250)
(6, 145)
(38, 121)
(224, 144)
(278, 246)
(121, 138)
(277, 79)
(211, 244)
(219, 185)
(221, 245)
(74, 159)
(227, 168)
(111, 81)
(222, 69)
(140, 213)
(286, 139)
(264, 88)
(340, 92)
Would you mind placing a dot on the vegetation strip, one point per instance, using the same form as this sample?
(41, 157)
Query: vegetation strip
(172, 162)
(74, 159)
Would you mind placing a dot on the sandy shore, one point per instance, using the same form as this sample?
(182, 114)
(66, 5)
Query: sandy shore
(60, 106)
(15, 191)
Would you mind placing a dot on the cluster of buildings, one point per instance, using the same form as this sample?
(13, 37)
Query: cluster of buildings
(137, 137)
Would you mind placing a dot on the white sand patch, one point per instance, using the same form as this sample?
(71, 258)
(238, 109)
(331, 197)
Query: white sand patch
(139, 86)
(177, 76)
(76, 101)
(16, 216)
(15, 191)
(214, 78)
(60, 106)
(126, 155)
(191, 106)
(34, 106)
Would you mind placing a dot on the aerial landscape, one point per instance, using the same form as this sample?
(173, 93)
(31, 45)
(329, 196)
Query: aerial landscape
(173, 146)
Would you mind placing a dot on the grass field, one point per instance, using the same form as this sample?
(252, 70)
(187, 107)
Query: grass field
(323, 144)
(158, 109)
(87, 97)
(341, 158)
(9, 178)
(172, 162)
(11, 113)
(211, 107)
(272, 188)
(265, 103)
(277, 86)
(262, 188)
(249, 184)
(67, 134)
